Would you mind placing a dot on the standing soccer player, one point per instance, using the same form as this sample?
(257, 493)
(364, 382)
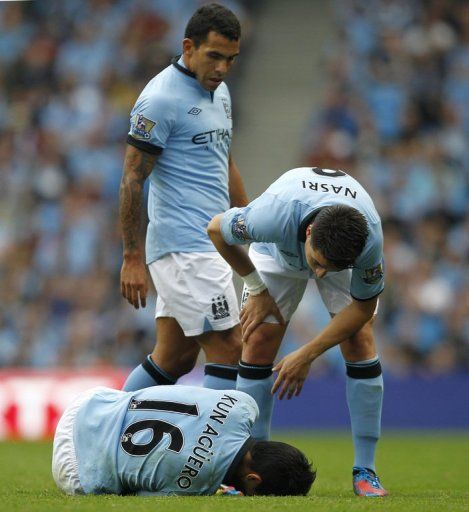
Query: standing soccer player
(180, 137)
(320, 224)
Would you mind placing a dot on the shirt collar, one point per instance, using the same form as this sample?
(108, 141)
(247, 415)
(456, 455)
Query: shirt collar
(230, 474)
(178, 63)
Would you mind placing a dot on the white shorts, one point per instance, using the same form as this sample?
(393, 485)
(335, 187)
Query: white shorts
(64, 460)
(195, 288)
(287, 287)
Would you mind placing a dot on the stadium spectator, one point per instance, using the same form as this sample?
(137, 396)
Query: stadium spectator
(61, 152)
(395, 114)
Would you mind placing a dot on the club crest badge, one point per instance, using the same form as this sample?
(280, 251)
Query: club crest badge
(220, 308)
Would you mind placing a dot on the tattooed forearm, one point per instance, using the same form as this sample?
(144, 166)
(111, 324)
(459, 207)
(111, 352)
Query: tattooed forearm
(137, 167)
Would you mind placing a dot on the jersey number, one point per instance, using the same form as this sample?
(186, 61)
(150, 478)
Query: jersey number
(328, 172)
(158, 427)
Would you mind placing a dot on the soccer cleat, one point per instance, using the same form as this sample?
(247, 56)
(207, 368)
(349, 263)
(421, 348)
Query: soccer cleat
(228, 490)
(366, 483)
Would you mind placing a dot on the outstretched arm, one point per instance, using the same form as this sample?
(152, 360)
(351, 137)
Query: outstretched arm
(138, 165)
(294, 368)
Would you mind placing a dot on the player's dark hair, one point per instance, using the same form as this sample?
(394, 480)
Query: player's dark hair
(339, 232)
(212, 17)
(284, 470)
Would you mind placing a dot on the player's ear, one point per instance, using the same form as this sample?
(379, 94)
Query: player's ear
(188, 46)
(251, 481)
(308, 230)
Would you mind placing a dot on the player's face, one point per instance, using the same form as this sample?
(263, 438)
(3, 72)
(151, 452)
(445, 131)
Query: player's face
(317, 262)
(212, 60)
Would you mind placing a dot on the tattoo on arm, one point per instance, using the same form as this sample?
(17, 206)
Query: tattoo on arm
(137, 167)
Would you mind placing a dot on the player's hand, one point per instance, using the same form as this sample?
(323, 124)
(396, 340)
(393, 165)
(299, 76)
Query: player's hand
(256, 309)
(292, 372)
(134, 285)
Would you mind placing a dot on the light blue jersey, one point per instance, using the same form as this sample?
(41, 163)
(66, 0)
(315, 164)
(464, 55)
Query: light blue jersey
(162, 440)
(279, 217)
(189, 184)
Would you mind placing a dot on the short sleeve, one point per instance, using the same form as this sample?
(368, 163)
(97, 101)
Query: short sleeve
(152, 120)
(368, 273)
(255, 222)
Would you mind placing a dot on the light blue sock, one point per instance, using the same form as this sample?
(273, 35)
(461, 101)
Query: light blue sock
(257, 381)
(364, 387)
(146, 375)
(220, 376)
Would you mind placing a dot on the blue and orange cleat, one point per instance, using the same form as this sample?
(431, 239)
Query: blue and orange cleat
(366, 483)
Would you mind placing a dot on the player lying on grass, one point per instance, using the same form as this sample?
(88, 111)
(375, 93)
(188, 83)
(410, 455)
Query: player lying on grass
(171, 440)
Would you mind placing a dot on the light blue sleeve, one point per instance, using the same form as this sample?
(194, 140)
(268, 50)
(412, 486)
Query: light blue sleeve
(153, 118)
(262, 220)
(368, 274)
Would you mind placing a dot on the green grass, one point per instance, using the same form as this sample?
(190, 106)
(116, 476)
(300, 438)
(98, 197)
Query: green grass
(423, 472)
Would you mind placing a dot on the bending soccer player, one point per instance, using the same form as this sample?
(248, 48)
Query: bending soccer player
(310, 224)
(171, 440)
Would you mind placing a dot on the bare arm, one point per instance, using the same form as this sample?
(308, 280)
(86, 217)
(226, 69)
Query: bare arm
(294, 368)
(257, 307)
(138, 165)
(238, 196)
(235, 255)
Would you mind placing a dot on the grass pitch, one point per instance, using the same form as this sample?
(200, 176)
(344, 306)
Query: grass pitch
(423, 472)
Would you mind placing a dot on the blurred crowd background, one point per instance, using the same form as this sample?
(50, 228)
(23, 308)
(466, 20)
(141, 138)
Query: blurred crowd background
(395, 115)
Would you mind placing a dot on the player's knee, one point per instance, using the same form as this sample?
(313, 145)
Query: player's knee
(259, 349)
(223, 347)
(187, 363)
(177, 365)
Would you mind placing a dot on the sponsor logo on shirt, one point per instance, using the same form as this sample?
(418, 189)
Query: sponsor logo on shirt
(374, 275)
(195, 111)
(219, 135)
(141, 127)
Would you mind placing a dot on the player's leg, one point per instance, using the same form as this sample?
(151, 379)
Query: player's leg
(364, 386)
(255, 372)
(222, 354)
(211, 315)
(174, 355)
(364, 381)
(260, 349)
(196, 306)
